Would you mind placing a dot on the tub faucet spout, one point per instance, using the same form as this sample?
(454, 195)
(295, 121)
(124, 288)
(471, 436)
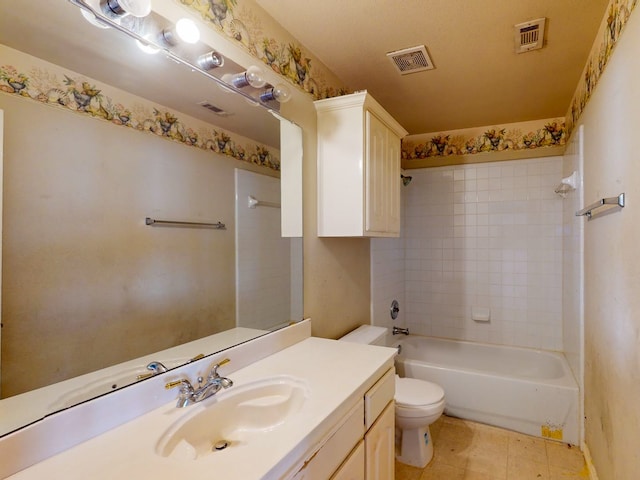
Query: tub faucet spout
(397, 330)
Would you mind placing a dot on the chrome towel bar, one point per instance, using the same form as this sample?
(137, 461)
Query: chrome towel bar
(173, 223)
(588, 211)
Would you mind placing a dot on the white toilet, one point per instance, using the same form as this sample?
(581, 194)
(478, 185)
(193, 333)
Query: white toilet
(418, 404)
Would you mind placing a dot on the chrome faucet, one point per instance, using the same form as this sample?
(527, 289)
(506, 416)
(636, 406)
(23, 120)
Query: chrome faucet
(397, 330)
(154, 369)
(190, 395)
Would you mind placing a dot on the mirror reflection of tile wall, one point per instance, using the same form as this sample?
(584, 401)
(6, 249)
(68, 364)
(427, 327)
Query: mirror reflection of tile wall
(267, 265)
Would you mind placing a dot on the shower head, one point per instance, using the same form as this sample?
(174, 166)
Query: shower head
(406, 180)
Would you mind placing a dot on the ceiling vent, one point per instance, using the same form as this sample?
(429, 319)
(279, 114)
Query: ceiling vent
(217, 110)
(411, 60)
(529, 35)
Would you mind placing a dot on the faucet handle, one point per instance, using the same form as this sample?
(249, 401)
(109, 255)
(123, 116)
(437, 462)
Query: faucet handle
(184, 382)
(222, 362)
(197, 357)
(214, 369)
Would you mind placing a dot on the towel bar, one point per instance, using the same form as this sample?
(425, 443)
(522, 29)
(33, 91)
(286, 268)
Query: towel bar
(174, 223)
(588, 211)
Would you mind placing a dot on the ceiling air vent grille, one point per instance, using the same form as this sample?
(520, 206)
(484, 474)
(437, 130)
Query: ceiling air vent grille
(529, 35)
(217, 110)
(411, 60)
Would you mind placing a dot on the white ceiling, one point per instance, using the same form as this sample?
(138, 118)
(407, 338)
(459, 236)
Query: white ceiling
(479, 80)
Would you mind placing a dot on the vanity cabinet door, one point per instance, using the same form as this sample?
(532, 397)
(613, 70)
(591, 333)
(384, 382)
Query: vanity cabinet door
(379, 444)
(353, 467)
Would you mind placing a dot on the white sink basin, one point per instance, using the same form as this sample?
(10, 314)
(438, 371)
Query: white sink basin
(236, 417)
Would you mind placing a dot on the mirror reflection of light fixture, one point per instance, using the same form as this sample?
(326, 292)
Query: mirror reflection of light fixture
(93, 20)
(253, 76)
(121, 8)
(147, 48)
(280, 93)
(185, 30)
(211, 60)
(90, 17)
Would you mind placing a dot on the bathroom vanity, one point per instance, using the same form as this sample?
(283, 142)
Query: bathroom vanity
(299, 408)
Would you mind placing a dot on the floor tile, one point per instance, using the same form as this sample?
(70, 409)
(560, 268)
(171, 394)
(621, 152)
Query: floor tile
(439, 471)
(557, 473)
(465, 450)
(529, 448)
(407, 472)
(453, 453)
(489, 465)
(565, 456)
(521, 468)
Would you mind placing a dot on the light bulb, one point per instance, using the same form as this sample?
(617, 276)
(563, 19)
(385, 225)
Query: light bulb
(187, 30)
(121, 8)
(253, 77)
(280, 93)
(210, 60)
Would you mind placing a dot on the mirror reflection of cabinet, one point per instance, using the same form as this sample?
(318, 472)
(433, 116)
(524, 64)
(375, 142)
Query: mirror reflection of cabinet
(358, 168)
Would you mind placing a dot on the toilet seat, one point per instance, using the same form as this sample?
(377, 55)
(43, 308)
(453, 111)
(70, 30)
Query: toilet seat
(414, 393)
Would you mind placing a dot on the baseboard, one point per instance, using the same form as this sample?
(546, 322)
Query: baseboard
(587, 458)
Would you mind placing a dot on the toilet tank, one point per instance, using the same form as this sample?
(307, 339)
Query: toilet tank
(367, 334)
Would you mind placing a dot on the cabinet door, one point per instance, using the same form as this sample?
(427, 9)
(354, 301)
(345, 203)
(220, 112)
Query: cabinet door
(353, 467)
(380, 447)
(393, 183)
(376, 172)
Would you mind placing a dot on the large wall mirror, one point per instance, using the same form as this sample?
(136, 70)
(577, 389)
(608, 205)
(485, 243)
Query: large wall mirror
(99, 137)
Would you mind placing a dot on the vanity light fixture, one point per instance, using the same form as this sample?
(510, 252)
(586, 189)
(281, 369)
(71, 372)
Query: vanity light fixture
(147, 47)
(122, 8)
(92, 18)
(211, 60)
(280, 93)
(185, 30)
(253, 76)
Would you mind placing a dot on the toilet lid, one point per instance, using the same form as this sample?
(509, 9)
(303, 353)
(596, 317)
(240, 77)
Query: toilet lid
(413, 392)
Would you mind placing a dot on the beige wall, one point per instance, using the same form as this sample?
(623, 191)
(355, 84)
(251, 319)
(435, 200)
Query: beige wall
(612, 265)
(85, 283)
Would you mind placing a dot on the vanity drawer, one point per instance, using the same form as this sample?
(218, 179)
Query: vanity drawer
(378, 396)
(325, 461)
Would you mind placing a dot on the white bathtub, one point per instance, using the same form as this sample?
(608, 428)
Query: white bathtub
(529, 391)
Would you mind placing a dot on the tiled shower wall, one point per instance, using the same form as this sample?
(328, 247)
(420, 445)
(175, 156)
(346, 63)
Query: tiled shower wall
(480, 235)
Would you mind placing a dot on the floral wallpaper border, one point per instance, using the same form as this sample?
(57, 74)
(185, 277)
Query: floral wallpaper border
(238, 20)
(57, 87)
(241, 21)
(512, 137)
(613, 23)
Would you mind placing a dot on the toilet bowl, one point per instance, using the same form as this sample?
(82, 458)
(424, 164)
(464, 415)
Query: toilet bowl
(418, 404)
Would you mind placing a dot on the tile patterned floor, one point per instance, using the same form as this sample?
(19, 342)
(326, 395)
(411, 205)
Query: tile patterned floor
(465, 450)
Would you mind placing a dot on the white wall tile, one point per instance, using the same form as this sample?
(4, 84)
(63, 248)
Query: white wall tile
(495, 239)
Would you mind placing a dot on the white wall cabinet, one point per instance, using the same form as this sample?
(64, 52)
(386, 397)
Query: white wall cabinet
(358, 168)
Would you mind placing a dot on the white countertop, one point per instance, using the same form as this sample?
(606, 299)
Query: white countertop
(337, 374)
